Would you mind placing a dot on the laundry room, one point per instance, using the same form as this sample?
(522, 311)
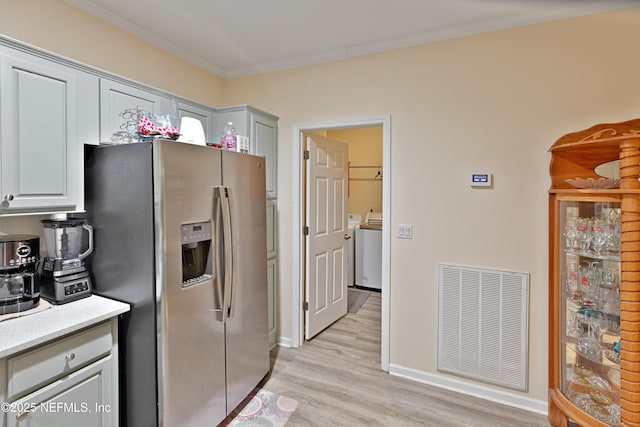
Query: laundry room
(364, 205)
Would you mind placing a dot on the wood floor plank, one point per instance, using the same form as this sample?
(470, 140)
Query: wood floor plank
(337, 380)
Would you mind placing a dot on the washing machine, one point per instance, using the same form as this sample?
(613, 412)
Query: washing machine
(368, 253)
(354, 222)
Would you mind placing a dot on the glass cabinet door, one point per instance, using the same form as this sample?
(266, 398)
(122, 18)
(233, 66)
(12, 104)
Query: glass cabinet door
(589, 269)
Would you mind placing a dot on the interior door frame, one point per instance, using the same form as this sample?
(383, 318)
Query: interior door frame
(297, 270)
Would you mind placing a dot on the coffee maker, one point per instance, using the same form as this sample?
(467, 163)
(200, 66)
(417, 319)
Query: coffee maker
(64, 275)
(19, 285)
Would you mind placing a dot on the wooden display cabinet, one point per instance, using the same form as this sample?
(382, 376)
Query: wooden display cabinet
(594, 278)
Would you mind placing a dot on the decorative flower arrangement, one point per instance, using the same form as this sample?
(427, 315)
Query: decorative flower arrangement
(142, 126)
(148, 128)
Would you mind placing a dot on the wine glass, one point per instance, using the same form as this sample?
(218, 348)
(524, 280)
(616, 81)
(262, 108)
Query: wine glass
(598, 235)
(583, 233)
(590, 344)
(570, 233)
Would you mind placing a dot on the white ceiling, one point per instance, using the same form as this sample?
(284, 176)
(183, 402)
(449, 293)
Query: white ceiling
(233, 38)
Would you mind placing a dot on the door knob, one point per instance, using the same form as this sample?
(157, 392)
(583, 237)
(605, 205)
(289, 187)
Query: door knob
(347, 237)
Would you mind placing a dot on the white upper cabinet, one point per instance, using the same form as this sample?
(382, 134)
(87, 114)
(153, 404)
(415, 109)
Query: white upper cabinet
(262, 130)
(263, 142)
(47, 112)
(116, 98)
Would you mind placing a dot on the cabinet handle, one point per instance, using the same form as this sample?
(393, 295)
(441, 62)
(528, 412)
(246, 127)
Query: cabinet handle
(22, 416)
(5, 200)
(69, 357)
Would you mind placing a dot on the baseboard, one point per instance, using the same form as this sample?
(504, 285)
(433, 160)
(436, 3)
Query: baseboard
(471, 389)
(284, 342)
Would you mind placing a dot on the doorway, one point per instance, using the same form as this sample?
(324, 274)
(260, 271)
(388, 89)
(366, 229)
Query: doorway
(297, 294)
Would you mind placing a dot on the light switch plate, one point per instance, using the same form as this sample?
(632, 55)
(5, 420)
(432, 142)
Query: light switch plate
(405, 231)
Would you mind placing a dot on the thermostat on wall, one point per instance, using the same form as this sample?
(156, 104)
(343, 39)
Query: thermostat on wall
(480, 179)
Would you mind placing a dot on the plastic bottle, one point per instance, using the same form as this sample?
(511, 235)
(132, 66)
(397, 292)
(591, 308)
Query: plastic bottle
(229, 139)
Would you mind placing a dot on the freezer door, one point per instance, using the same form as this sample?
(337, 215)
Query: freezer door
(246, 325)
(191, 336)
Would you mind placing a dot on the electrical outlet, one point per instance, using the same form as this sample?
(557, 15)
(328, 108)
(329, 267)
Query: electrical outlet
(405, 231)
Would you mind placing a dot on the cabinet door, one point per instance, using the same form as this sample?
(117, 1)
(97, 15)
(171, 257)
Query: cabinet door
(203, 115)
(40, 146)
(116, 97)
(262, 130)
(272, 279)
(588, 268)
(272, 220)
(78, 400)
(263, 142)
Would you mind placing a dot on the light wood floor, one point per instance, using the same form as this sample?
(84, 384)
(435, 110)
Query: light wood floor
(337, 380)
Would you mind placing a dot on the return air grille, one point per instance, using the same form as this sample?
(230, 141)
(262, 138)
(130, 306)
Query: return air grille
(483, 324)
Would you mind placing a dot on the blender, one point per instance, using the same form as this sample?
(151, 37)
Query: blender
(64, 276)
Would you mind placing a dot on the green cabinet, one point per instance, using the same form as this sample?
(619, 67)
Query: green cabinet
(116, 98)
(262, 130)
(68, 382)
(48, 111)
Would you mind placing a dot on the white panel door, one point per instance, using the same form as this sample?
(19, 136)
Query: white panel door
(326, 246)
(39, 149)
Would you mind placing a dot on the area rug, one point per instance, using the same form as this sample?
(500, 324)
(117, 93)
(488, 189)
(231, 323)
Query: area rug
(355, 299)
(262, 409)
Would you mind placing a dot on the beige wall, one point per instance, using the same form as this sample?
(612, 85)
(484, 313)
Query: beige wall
(493, 102)
(365, 149)
(55, 26)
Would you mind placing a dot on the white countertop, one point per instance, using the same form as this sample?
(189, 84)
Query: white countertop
(24, 332)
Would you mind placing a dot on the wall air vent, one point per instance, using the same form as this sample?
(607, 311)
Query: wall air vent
(483, 324)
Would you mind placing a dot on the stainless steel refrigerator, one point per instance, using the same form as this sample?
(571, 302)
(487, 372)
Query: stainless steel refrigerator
(180, 234)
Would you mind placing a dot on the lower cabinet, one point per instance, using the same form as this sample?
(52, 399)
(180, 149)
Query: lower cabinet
(75, 400)
(67, 383)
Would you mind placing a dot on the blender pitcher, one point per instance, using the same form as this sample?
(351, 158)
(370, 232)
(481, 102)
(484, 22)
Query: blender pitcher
(64, 242)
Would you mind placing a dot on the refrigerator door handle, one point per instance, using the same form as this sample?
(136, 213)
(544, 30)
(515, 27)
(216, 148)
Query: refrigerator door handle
(218, 242)
(234, 257)
(230, 252)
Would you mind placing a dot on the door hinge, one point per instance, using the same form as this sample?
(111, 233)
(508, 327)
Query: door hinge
(305, 155)
(305, 306)
(305, 230)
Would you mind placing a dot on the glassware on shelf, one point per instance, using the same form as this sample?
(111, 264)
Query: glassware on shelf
(589, 281)
(583, 233)
(609, 292)
(572, 281)
(593, 236)
(570, 233)
(575, 326)
(589, 345)
(598, 235)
